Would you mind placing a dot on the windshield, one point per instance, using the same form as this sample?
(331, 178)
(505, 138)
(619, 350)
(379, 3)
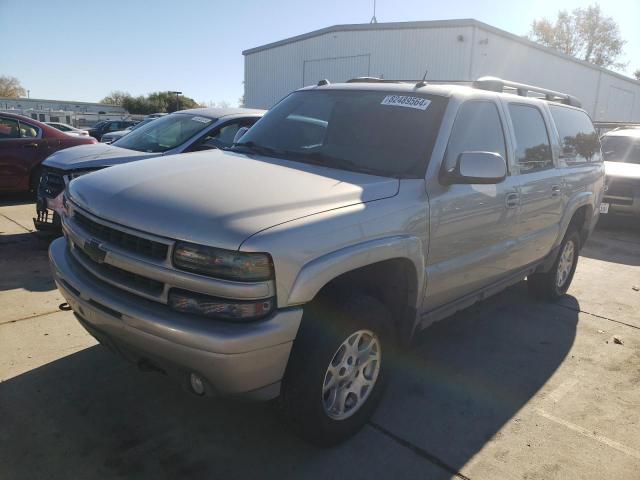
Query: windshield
(99, 124)
(165, 133)
(138, 125)
(621, 149)
(366, 131)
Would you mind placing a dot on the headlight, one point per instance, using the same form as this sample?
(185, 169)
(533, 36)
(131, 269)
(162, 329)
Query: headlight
(219, 263)
(197, 304)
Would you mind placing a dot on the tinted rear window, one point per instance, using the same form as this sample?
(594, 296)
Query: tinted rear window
(578, 138)
(533, 151)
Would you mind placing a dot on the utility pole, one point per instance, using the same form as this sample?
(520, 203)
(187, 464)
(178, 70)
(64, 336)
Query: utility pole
(28, 93)
(177, 100)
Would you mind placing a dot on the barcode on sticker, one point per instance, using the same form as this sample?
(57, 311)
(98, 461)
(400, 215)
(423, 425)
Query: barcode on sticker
(201, 119)
(406, 101)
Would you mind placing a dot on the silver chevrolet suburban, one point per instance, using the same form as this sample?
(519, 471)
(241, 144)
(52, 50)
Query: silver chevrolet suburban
(348, 218)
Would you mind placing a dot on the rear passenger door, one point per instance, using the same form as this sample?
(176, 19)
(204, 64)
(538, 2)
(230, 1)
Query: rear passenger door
(470, 225)
(541, 187)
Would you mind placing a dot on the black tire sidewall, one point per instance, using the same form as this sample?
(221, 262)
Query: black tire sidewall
(324, 328)
(571, 236)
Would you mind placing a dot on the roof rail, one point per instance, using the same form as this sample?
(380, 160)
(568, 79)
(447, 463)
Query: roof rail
(493, 84)
(496, 84)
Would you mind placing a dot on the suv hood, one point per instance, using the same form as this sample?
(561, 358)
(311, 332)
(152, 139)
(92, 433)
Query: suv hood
(220, 198)
(96, 155)
(622, 170)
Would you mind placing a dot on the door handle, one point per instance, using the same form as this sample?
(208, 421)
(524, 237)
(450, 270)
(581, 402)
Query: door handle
(555, 191)
(512, 200)
(31, 145)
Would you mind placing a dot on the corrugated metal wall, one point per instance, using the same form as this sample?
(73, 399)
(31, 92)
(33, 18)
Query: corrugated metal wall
(463, 53)
(273, 73)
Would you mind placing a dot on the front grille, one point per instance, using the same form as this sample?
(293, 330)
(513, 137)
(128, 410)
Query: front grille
(51, 183)
(124, 240)
(122, 277)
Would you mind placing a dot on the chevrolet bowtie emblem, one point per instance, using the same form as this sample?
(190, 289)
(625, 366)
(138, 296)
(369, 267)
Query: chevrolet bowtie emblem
(94, 251)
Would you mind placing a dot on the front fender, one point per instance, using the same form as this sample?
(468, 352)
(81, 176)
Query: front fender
(320, 271)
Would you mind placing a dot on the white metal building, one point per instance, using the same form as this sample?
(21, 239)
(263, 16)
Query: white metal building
(70, 112)
(448, 49)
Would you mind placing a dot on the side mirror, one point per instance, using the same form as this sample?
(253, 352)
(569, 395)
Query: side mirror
(241, 131)
(477, 167)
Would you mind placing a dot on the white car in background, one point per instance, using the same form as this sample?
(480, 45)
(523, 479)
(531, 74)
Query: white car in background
(68, 129)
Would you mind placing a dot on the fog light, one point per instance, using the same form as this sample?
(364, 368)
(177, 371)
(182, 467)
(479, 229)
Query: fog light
(197, 385)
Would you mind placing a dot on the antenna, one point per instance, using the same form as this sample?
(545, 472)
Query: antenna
(423, 82)
(374, 19)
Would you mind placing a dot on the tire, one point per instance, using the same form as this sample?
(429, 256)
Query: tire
(554, 284)
(327, 328)
(34, 180)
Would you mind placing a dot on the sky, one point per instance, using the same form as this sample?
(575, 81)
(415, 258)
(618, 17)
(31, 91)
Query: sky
(83, 49)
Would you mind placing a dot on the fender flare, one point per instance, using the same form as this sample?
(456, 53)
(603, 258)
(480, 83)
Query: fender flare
(579, 200)
(314, 275)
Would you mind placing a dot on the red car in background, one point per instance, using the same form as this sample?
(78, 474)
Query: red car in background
(24, 144)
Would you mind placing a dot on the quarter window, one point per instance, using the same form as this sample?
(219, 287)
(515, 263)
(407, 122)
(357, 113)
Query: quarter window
(9, 128)
(578, 138)
(533, 151)
(477, 129)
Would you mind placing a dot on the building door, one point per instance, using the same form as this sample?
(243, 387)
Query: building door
(337, 69)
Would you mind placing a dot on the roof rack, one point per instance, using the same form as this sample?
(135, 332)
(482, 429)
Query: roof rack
(496, 84)
(493, 84)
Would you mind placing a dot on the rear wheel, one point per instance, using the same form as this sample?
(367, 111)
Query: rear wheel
(555, 283)
(34, 180)
(336, 373)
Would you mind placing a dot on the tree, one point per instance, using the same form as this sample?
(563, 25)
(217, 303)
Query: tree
(10, 87)
(637, 74)
(155, 102)
(116, 97)
(585, 33)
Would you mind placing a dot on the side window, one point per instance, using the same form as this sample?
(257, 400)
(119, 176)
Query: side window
(477, 128)
(223, 137)
(533, 151)
(28, 131)
(578, 137)
(9, 128)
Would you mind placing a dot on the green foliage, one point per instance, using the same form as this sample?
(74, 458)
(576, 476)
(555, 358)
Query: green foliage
(585, 33)
(155, 102)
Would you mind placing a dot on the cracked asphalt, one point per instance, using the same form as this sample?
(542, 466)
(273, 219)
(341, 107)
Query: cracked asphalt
(507, 389)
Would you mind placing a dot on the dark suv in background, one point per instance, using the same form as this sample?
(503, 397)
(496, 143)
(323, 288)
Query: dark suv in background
(108, 126)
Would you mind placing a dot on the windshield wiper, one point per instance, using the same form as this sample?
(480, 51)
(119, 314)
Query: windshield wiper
(325, 160)
(259, 149)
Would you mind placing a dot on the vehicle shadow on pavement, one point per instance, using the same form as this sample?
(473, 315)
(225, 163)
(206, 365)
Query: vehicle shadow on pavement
(473, 372)
(24, 263)
(91, 415)
(615, 240)
(11, 199)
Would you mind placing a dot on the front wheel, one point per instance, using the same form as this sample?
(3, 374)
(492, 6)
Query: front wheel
(553, 284)
(336, 373)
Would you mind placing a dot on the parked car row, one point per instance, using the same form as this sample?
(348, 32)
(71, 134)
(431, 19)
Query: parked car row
(292, 262)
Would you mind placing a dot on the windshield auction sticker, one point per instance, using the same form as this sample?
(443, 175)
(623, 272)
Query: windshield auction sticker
(405, 101)
(201, 119)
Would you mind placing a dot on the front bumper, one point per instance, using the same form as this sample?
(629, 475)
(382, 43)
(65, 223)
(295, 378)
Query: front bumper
(245, 359)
